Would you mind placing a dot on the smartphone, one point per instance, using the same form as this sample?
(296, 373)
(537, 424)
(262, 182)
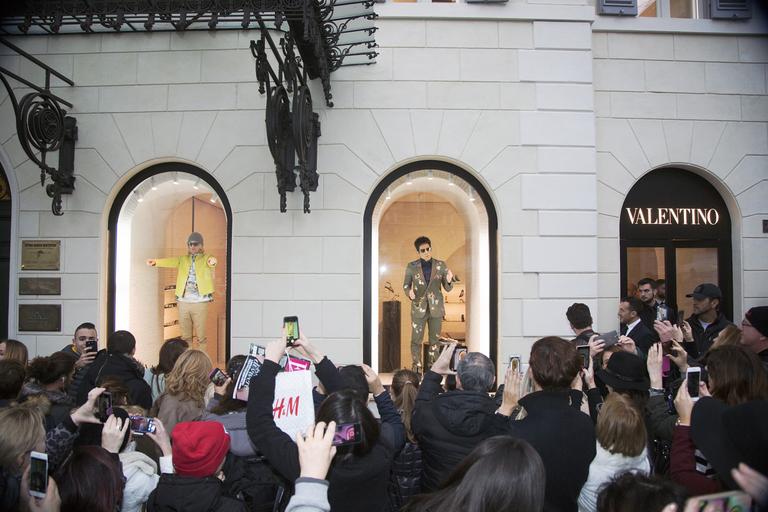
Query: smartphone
(291, 326)
(104, 406)
(458, 355)
(610, 338)
(218, 377)
(680, 317)
(38, 474)
(694, 377)
(583, 351)
(721, 502)
(91, 346)
(514, 363)
(141, 425)
(348, 434)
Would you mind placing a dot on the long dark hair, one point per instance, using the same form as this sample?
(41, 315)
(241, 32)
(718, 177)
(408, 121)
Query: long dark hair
(501, 474)
(405, 387)
(344, 406)
(169, 353)
(228, 404)
(91, 479)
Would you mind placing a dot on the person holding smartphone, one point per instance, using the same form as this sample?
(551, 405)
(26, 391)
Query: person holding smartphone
(83, 350)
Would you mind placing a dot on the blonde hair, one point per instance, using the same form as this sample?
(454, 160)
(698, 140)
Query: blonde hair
(621, 426)
(21, 430)
(189, 377)
(731, 335)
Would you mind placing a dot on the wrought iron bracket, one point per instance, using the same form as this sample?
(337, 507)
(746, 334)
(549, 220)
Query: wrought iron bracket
(292, 125)
(42, 127)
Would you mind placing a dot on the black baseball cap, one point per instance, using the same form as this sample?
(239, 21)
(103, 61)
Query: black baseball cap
(706, 291)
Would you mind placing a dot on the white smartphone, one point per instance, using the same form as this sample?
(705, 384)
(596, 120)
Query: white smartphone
(693, 376)
(38, 474)
(515, 363)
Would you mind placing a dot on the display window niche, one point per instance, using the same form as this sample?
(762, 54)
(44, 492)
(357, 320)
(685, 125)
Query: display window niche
(150, 224)
(448, 205)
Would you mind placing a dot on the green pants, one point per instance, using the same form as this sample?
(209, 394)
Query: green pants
(417, 334)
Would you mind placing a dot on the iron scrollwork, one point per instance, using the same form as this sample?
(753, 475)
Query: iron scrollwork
(43, 127)
(292, 125)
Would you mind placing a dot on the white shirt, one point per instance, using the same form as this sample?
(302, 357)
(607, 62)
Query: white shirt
(632, 326)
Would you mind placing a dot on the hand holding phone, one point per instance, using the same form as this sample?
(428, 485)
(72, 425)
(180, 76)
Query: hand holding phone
(291, 329)
(693, 378)
(458, 354)
(610, 338)
(218, 377)
(514, 363)
(141, 425)
(104, 406)
(348, 434)
(583, 351)
(38, 474)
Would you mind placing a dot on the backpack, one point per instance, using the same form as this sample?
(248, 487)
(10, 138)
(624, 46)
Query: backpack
(252, 480)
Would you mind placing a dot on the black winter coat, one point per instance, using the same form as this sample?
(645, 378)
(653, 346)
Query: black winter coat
(406, 475)
(564, 437)
(176, 493)
(704, 338)
(123, 367)
(449, 425)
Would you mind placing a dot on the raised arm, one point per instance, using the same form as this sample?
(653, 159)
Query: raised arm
(273, 443)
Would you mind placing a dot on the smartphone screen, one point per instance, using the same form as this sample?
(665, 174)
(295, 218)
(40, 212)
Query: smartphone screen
(347, 434)
(218, 377)
(584, 353)
(610, 338)
(458, 355)
(38, 474)
(514, 363)
(291, 326)
(721, 502)
(104, 405)
(141, 425)
(694, 377)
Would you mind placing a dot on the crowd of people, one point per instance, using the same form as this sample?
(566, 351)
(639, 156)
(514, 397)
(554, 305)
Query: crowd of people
(643, 419)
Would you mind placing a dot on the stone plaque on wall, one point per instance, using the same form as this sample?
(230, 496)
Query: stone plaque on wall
(39, 286)
(40, 254)
(40, 317)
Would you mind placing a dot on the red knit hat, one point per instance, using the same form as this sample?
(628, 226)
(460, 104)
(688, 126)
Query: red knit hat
(199, 447)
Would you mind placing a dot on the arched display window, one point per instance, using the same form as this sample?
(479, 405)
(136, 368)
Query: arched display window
(451, 207)
(675, 226)
(152, 219)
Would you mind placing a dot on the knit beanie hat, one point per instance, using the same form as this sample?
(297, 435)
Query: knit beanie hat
(199, 447)
(758, 317)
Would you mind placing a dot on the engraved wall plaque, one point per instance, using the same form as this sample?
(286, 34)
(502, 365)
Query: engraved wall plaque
(40, 254)
(40, 317)
(39, 286)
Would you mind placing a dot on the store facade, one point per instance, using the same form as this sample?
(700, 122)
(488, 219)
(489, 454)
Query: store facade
(528, 132)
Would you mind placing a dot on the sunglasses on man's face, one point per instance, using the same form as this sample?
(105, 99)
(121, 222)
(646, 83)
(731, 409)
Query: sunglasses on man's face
(425, 249)
(193, 244)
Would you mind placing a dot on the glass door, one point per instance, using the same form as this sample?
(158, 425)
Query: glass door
(694, 266)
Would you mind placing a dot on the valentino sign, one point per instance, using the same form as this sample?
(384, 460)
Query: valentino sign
(667, 216)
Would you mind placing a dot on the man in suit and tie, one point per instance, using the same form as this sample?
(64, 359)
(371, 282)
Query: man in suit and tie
(423, 280)
(632, 325)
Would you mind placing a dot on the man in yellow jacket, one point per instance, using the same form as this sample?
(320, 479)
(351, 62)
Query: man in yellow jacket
(194, 287)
